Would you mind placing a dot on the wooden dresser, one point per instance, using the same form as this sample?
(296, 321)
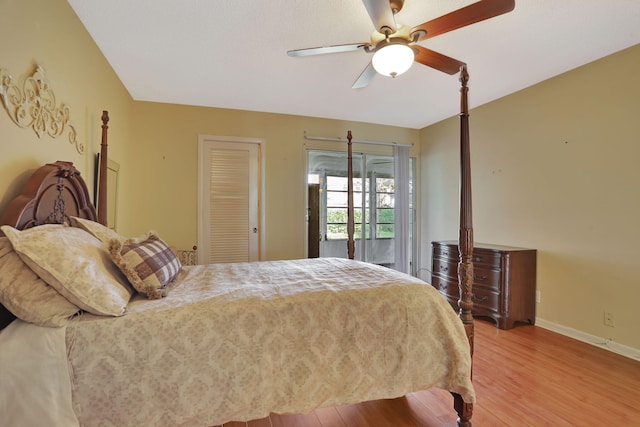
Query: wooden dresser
(504, 280)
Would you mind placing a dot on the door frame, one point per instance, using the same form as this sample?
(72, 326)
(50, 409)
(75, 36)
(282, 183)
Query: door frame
(202, 142)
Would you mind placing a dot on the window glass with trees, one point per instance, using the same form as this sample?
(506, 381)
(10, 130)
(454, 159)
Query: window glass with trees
(382, 212)
(385, 198)
(336, 193)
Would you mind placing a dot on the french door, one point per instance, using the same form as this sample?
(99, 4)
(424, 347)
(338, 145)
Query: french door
(375, 209)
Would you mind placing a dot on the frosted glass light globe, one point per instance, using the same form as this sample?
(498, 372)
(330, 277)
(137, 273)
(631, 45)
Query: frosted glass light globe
(393, 60)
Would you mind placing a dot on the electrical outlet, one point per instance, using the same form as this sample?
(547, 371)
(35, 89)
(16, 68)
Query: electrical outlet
(608, 319)
(538, 296)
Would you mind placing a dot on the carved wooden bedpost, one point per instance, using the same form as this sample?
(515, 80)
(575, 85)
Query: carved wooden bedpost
(351, 244)
(465, 242)
(102, 172)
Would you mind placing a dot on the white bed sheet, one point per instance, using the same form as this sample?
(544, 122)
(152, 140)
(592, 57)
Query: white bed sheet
(35, 377)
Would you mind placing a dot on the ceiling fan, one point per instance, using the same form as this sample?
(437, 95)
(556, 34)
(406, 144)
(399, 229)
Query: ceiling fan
(394, 46)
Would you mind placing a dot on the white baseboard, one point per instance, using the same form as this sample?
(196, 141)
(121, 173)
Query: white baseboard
(604, 343)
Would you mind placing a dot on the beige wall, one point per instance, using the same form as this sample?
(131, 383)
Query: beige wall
(48, 32)
(554, 167)
(164, 183)
(155, 144)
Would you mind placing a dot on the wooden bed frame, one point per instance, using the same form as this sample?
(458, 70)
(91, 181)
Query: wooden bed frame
(465, 235)
(56, 191)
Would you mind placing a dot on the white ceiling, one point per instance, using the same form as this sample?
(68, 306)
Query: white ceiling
(232, 53)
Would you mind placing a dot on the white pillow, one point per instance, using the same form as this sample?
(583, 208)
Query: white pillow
(99, 231)
(74, 263)
(25, 295)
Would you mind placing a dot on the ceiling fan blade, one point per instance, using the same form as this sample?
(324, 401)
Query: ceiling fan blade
(328, 49)
(365, 77)
(437, 60)
(468, 15)
(381, 15)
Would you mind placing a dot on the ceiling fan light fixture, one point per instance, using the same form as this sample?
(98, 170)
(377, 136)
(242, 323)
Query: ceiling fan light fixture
(393, 59)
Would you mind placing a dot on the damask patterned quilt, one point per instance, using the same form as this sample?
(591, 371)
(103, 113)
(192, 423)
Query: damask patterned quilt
(238, 341)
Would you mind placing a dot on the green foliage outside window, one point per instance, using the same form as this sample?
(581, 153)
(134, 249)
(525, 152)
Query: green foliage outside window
(337, 223)
(337, 208)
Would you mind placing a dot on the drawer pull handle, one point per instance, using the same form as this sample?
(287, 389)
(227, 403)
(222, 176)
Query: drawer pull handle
(475, 298)
(444, 268)
(480, 278)
(445, 253)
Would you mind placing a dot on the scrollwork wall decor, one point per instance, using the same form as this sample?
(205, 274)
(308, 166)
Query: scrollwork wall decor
(32, 103)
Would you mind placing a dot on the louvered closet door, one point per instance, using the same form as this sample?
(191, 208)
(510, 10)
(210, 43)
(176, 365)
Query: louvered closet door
(229, 221)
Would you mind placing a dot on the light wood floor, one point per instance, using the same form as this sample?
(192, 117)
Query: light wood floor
(527, 376)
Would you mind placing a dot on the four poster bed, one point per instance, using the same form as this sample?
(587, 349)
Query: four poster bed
(97, 344)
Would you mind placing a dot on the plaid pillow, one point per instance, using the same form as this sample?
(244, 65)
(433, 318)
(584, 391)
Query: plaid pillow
(148, 262)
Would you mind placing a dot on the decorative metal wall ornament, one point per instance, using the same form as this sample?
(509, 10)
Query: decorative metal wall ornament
(32, 103)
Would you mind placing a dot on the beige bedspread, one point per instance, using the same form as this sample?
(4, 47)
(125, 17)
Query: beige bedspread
(238, 341)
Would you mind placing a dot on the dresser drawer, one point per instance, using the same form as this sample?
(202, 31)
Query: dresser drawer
(446, 251)
(486, 277)
(448, 288)
(480, 256)
(445, 267)
(486, 258)
(484, 300)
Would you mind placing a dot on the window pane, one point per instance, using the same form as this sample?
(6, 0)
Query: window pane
(358, 233)
(336, 231)
(384, 231)
(339, 215)
(385, 200)
(385, 185)
(336, 183)
(336, 199)
(339, 232)
(336, 215)
(337, 223)
(339, 183)
(357, 214)
(357, 184)
(339, 198)
(385, 216)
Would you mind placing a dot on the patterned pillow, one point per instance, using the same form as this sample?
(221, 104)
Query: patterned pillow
(75, 264)
(99, 231)
(25, 295)
(148, 262)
